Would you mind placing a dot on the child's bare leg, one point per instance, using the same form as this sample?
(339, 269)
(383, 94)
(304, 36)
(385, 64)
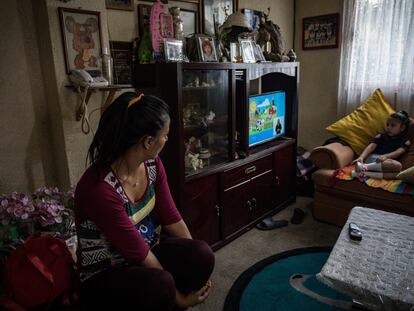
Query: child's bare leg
(391, 165)
(388, 165)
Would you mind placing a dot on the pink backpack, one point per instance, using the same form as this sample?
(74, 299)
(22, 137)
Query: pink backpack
(37, 273)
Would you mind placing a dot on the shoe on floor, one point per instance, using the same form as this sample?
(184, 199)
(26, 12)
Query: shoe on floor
(298, 216)
(269, 224)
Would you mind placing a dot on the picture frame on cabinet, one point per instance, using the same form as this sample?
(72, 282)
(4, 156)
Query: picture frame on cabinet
(166, 24)
(234, 52)
(80, 52)
(258, 53)
(125, 5)
(247, 50)
(320, 32)
(206, 48)
(173, 50)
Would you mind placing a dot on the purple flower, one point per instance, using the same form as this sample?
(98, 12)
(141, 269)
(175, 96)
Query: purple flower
(15, 206)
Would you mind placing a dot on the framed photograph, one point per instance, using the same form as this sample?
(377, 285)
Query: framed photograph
(214, 13)
(190, 22)
(173, 50)
(81, 36)
(126, 5)
(320, 32)
(144, 13)
(206, 49)
(254, 17)
(163, 1)
(247, 50)
(121, 55)
(166, 23)
(258, 53)
(234, 52)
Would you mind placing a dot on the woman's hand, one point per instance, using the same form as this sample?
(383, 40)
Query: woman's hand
(381, 159)
(194, 298)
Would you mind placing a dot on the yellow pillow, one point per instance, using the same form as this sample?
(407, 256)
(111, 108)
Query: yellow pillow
(359, 127)
(407, 175)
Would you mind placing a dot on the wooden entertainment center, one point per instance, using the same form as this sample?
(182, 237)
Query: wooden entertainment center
(227, 187)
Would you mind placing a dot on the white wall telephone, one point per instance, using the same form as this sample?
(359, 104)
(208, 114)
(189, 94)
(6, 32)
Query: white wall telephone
(80, 77)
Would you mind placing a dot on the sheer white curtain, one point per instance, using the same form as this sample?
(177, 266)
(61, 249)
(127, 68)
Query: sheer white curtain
(377, 52)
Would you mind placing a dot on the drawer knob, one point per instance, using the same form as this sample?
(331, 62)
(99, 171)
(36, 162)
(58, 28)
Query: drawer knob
(277, 180)
(249, 205)
(250, 169)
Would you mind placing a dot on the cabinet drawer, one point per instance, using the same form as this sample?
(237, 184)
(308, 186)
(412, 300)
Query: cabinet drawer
(236, 175)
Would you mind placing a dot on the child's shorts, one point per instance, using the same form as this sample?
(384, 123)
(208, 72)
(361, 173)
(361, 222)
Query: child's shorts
(372, 158)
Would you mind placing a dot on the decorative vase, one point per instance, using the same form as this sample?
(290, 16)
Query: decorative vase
(177, 23)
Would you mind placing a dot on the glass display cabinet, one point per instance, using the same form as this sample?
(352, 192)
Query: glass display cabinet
(205, 119)
(222, 184)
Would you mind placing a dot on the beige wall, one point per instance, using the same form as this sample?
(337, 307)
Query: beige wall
(41, 143)
(318, 77)
(281, 13)
(25, 140)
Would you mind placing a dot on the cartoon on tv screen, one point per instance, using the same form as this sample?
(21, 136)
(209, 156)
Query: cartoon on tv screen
(266, 117)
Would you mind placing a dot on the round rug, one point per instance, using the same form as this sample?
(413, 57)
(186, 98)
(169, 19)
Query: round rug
(286, 282)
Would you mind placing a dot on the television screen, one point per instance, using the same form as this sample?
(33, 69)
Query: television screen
(266, 117)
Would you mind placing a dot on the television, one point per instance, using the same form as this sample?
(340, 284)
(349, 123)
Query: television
(266, 117)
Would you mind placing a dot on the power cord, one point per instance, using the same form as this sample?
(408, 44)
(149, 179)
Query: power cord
(85, 124)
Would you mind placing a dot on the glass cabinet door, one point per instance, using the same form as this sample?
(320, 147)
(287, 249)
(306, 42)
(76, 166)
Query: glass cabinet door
(205, 118)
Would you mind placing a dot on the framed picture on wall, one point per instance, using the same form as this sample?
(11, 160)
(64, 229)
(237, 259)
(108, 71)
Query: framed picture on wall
(320, 32)
(126, 5)
(81, 36)
(190, 22)
(214, 13)
(122, 61)
(253, 17)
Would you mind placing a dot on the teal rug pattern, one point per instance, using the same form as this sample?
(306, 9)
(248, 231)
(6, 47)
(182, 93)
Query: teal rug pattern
(286, 282)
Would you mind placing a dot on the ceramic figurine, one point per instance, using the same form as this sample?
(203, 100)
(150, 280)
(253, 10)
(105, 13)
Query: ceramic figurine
(292, 55)
(193, 161)
(210, 116)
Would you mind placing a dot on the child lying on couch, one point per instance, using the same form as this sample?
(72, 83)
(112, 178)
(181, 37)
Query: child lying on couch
(378, 158)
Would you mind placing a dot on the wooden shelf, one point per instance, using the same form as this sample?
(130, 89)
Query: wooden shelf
(112, 89)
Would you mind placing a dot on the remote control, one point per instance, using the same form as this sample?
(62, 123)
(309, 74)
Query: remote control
(354, 232)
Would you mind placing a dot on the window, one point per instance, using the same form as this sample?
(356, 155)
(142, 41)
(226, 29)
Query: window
(377, 52)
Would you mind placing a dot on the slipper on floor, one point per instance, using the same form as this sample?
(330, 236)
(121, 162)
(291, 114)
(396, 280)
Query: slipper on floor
(269, 224)
(298, 216)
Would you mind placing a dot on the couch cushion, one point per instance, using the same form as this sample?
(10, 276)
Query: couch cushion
(332, 156)
(359, 127)
(407, 175)
(325, 181)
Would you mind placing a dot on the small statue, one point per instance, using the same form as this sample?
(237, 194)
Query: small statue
(193, 161)
(292, 55)
(210, 116)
